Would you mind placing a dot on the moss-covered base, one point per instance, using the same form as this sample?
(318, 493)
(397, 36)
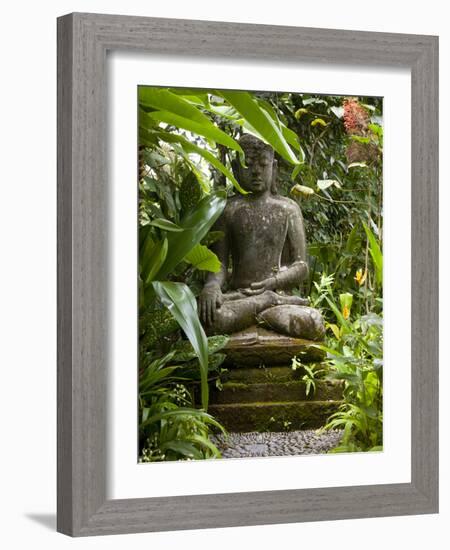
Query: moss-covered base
(257, 346)
(256, 375)
(273, 416)
(293, 390)
(273, 399)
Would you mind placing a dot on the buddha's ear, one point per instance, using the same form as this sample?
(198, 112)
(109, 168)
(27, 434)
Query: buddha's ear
(274, 184)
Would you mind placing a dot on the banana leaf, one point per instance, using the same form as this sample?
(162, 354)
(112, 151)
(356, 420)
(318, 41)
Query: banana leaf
(261, 121)
(196, 225)
(209, 130)
(193, 148)
(165, 100)
(175, 110)
(180, 301)
(201, 257)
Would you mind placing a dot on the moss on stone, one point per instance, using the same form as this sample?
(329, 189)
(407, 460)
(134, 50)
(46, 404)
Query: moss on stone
(274, 416)
(256, 345)
(293, 390)
(262, 374)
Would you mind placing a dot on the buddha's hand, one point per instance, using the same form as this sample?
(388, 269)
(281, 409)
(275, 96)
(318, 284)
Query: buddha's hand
(260, 286)
(209, 301)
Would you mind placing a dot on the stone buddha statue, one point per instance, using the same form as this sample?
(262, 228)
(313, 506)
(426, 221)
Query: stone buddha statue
(262, 255)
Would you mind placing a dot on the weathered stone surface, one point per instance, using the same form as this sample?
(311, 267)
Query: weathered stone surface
(241, 392)
(258, 346)
(294, 320)
(274, 416)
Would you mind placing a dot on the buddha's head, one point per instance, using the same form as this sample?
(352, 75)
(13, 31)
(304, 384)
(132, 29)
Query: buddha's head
(259, 175)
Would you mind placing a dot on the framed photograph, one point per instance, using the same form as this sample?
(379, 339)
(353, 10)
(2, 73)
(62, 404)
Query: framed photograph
(247, 274)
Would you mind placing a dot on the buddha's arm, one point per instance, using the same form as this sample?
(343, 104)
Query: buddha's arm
(297, 270)
(211, 298)
(222, 249)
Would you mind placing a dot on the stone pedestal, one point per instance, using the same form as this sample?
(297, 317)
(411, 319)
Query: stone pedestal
(257, 346)
(261, 392)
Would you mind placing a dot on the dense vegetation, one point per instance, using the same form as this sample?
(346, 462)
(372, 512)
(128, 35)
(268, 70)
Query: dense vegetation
(329, 152)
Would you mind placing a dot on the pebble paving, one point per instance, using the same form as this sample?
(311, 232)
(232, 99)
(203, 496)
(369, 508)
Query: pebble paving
(251, 444)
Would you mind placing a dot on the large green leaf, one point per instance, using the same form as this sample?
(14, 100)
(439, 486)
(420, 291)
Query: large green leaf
(194, 95)
(167, 225)
(375, 252)
(195, 224)
(226, 111)
(153, 259)
(159, 259)
(180, 301)
(261, 121)
(207, 130)
(201, 257)
(230, 113)
(193, 148)
(164, 100)
(289, 135)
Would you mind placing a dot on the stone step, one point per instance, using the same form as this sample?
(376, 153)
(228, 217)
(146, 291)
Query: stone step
(256, 375)
(293, 390)
(273, 416)
(257, 346)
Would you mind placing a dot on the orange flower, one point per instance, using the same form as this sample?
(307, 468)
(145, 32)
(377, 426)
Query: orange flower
(346, 312)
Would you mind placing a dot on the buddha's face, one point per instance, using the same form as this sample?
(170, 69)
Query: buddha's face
(257, 177)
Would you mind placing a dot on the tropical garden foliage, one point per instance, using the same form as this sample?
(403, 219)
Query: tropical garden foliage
(329, 152)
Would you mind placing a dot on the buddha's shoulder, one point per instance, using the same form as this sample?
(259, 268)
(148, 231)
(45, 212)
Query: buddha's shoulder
(285, 203)
(232, 203)
(231, 207)
(233, 200)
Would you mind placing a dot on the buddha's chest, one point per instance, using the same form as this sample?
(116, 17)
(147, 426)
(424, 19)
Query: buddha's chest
(259, 228)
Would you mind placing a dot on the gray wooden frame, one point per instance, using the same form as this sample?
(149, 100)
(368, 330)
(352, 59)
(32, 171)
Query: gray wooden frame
(83, 40)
